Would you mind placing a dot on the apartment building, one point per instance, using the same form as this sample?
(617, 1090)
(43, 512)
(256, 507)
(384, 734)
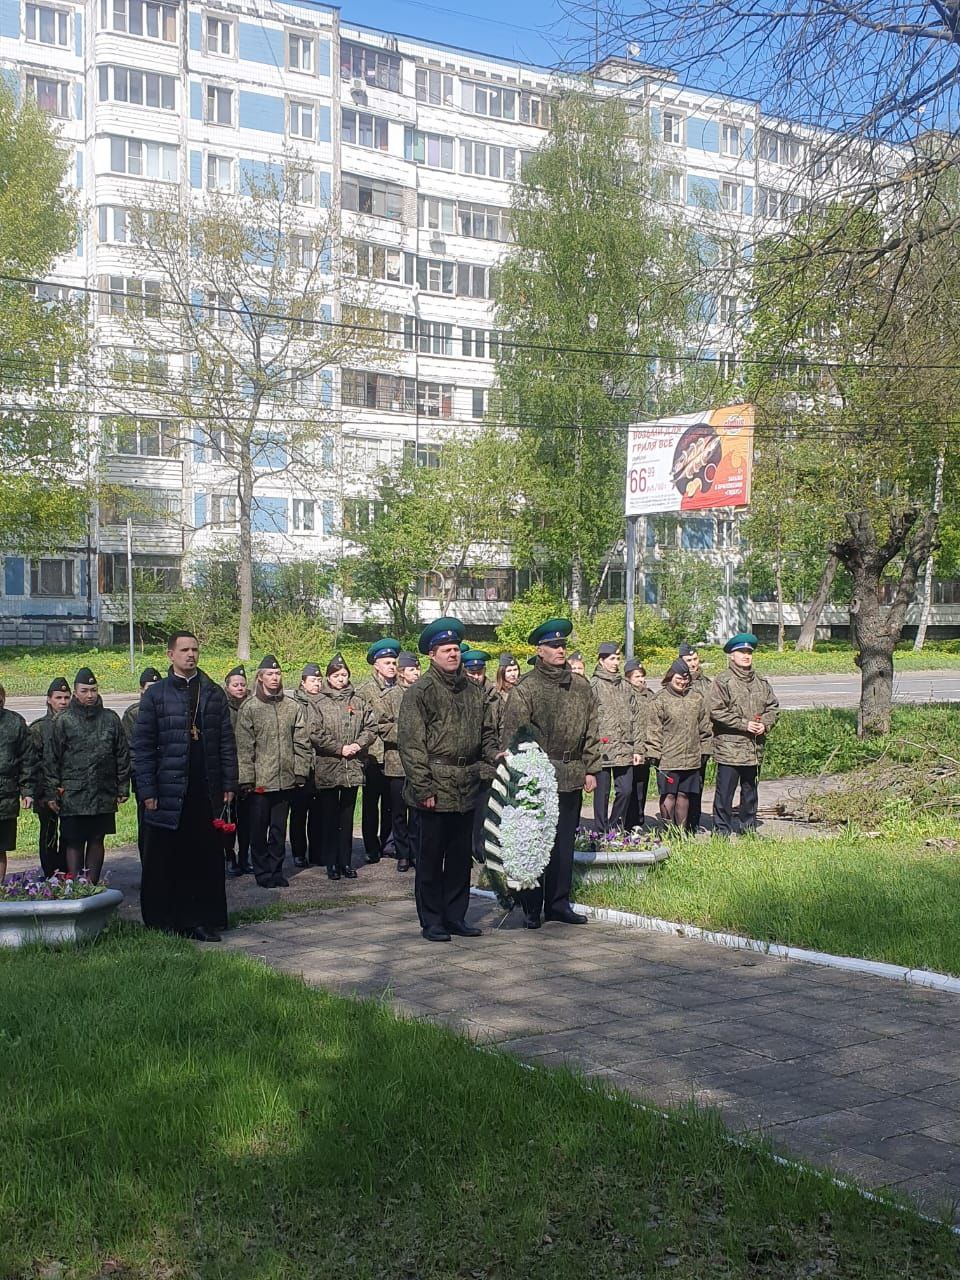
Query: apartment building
(411, 148)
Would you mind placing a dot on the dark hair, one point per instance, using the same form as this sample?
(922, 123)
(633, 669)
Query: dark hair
(501, 681)
(180, 635)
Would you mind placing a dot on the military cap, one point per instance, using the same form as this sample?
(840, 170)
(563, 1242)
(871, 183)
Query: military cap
(742, 640)
(554, 632)
(386, 647)
(337, 663)
(608, 649)
(632, 664)
(531, 660)
(149, 675)
(311, 669)
(238, 670)
(507, 660)
(476, 658)
(442, 631)
(678, 668)
(685, 649)
(58, 686)
(576, 656)
(408, 659)
(268, 663)
(465, 646)
(84, 676)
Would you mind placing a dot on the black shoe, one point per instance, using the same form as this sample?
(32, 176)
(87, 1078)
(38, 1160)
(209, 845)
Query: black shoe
(349, 873)
(266, 882)
(204, 935)
(333, 873)
(280, 882)
(530, 922)
(435, 933)
(403, 864)
(232, 871)
(299, 862)
(566, 915)
(244, 869)
(373, 857)
(464, 930)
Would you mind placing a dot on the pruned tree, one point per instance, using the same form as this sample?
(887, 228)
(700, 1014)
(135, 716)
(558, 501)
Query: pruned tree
(235, 290)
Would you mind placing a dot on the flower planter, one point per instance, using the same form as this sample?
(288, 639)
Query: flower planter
(61, 922)
(607, 857)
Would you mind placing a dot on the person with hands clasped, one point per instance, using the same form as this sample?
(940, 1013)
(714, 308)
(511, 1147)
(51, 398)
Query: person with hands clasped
(743, 708)
(678, 728)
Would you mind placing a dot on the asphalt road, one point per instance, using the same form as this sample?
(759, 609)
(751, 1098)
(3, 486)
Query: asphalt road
(793, 691)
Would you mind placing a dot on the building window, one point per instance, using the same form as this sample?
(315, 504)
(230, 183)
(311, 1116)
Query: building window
(219, 173)
(51, 578)
(304, 185)
(224, 509)
(730, 197)
(155, 575)
(139, 368)
(371, 66)
(674, 185)
(728, 308)
(730, 139)
(360, 513)
(143, 159)
(479, 402)
(115, 225)
(139, 88)
(480, 343)
(368, 390)
(140, 18)
(387, 326)
(474, 281)
(435, 276)
(52, 96)
(422, 455)
(220, 41)
(673, 128)
(146, 437)
(364, 130)
(372, 261)
(429, 337)
(727, 365)
(303, 121)
(219, 105)
(127, 296)
(299, 53)
(303, 251)
(489, 100)
(487, 161)
(435, 399)
(780, 148)
(482, 221)
(304, 515)
(535, 109)
(434, 87)
(372, 196)
(149, 508)
(434, 214)
(45, 25)
(430, 149)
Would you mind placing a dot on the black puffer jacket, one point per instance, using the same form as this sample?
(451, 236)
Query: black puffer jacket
(161, 746)
(18, 762)
(86, 761)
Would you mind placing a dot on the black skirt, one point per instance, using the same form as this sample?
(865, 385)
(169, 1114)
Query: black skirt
(79, 828)
(8, 834)
(672, 782)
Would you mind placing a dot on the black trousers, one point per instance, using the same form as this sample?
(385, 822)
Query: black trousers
(696, 801)
(306, 824)
(622, 779)
(181, 885)
(52, 856)
(553, 892)
(401, 821)
(729, 777)
(336, 823)
(375, 817)
(236, 844)
(268, 831)
(441, 844)
(639, 784)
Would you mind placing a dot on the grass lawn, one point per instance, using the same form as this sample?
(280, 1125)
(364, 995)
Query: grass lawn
(890, 897)
(170, 1112)
(825, 739)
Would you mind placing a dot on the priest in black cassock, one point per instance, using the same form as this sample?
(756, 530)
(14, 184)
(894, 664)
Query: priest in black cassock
(185, 763)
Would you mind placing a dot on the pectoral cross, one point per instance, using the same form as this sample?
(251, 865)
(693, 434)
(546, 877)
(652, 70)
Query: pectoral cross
(194, 733)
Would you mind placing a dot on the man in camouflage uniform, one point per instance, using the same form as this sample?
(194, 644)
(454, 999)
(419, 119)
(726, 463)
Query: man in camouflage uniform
(561, 710)
(445, 735)
(52, 855)
(743, 709)
(376, 822)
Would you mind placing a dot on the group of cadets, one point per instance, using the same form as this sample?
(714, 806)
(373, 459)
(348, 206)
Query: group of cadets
(422, 745)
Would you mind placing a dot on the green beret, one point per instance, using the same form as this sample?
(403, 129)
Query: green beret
(442, 631)
(553, 631)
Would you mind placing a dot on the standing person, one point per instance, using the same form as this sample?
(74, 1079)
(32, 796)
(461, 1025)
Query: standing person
(86, 766)
(273, 757)
(677, 728)
(743, 708)
(185, 761)
(236, 844)
(475, 668)
(375, 819)
(305, 821)
(575, 662)
(561, 710)
(52, 855)
(508, 673)
(18, 775)
(700, 684)
(342, 730)
(444, 733)
(408, 673)
(617, 716)
(635, 674)
(150, 675)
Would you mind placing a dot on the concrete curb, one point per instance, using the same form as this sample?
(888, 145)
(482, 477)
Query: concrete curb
(851, 964)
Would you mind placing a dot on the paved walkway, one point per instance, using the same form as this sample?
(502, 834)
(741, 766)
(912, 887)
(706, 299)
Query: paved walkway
(856, 1074)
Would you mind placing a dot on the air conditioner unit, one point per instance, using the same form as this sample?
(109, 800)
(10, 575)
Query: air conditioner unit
(357, 84)
(359, 96)
(438, 244)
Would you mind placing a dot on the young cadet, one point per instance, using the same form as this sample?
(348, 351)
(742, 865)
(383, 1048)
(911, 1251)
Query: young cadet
(52, 856)
(408, 673)
(18, 775)
(475, 668)
(236, 844)
(701, 684)
(375, 820)
(306, 843)
(617, 714)
(149, 676)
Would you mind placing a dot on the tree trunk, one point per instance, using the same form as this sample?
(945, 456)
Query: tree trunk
(808, 629)
(926, 599)
(875, 660)
(576, 583)
(779, 586)
(245, 562)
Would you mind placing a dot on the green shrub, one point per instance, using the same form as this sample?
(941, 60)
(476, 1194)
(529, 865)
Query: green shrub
(292, 637)
(528, 611)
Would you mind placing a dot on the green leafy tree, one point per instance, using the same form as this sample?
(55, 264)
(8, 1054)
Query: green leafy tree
(593, 287)
(44, 495)
(689, 589)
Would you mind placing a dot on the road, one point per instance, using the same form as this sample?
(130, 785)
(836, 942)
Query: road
(794, 692)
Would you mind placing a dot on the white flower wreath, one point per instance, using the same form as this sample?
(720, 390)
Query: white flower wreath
(521, 821)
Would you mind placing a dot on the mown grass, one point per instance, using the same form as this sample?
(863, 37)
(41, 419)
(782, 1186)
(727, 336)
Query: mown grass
(892, 896)
(29, 671)
(176, 1113)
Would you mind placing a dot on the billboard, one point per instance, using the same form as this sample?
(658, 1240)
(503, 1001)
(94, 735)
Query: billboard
(694, 462)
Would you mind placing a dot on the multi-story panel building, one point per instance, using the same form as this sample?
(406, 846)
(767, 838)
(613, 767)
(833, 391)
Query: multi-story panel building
(411, 149)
